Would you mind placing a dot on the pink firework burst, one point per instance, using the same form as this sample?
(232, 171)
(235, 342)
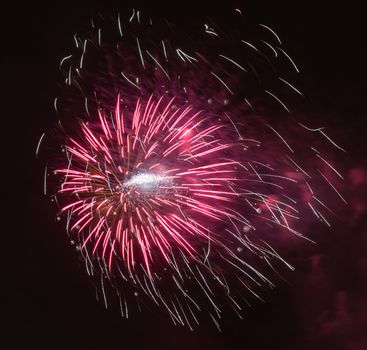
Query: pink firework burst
(148, 183)
(173, 186)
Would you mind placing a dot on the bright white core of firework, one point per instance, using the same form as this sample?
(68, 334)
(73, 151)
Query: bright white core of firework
(145, 181)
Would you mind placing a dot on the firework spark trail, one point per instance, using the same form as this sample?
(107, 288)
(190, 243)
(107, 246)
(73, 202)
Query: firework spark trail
(171, 185)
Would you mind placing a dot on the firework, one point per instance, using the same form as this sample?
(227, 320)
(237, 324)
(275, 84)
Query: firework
(175, 183)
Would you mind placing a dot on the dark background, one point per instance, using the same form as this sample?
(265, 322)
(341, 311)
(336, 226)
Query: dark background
(49, 301)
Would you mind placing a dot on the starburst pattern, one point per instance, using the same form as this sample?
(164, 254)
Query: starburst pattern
(173, 186)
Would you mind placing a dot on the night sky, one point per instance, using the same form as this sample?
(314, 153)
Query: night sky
(49, 301)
